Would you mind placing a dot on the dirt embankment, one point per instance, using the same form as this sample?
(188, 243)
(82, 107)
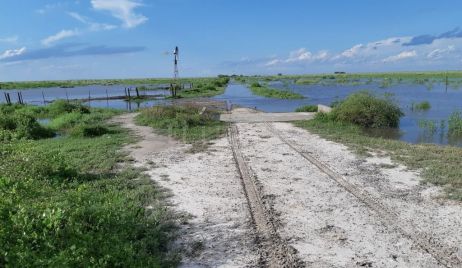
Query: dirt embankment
(275, 195)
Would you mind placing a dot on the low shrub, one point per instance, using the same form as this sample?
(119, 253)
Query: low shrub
(18, 126)
(255, 84)
(366, 110)
(307, 108)
(59, 107)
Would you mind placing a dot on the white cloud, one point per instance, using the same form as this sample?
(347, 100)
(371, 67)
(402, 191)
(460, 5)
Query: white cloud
(59, 36)
(401, 56)
(10, 39)
(12, 52)
(123, 10)
(92, 26)
(300, 56)
(440, 52)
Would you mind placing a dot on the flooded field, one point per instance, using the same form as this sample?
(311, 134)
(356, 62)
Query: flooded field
(417, 126)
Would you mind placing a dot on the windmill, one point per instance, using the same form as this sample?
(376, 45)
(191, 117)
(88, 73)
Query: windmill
(175, 86)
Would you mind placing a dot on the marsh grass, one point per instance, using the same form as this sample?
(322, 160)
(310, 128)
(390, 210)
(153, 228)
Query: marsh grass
(264, 91)
(455, 124)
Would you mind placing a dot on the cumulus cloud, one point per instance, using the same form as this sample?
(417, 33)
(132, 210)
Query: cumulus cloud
(300, 56)
(12, 53)
(401, 56)
(63, 34)
(123, 10)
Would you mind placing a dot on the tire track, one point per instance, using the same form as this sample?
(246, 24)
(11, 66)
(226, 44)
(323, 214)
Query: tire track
(442, 253)
(274, 251)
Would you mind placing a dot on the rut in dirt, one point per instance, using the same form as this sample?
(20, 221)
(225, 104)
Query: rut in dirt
(274, 251)
(445, 255)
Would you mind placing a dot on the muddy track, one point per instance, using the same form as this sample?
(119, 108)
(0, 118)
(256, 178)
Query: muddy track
(443, 254)
(274, 251)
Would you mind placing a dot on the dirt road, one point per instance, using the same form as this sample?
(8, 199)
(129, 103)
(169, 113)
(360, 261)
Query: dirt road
(271, 194)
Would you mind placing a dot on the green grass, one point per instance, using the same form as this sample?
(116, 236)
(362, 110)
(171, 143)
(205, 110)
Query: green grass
(67, 202)
(183, 122)
(439, 165)
(267, 92)
(421, 106)
(307, 108)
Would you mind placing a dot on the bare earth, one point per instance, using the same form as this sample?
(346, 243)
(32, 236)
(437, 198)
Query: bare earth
(310, 197)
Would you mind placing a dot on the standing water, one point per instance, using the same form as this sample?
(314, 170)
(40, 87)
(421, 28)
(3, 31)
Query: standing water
(412, 126)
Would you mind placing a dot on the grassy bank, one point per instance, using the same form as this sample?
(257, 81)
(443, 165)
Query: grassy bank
(183, 122)
(67, 202)
(267, 92)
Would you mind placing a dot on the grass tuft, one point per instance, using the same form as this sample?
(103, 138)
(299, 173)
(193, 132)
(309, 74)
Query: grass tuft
(183, 122)
(307, 108)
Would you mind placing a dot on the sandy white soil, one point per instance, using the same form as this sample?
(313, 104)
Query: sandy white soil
(327, 225)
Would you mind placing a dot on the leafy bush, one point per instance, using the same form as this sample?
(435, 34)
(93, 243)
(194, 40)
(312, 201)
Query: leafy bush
(455, 124)
(255, 84)
(307, 108)
(21, 126)
(366, 110)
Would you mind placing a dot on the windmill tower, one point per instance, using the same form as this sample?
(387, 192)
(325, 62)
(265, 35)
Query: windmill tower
(175, 86)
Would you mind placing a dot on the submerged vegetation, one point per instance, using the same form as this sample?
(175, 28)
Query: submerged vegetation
(67, 201)
(267, 92)
(188, 123)
(422, 106)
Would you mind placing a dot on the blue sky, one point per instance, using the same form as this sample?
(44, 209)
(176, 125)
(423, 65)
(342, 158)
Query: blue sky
(75, 39)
